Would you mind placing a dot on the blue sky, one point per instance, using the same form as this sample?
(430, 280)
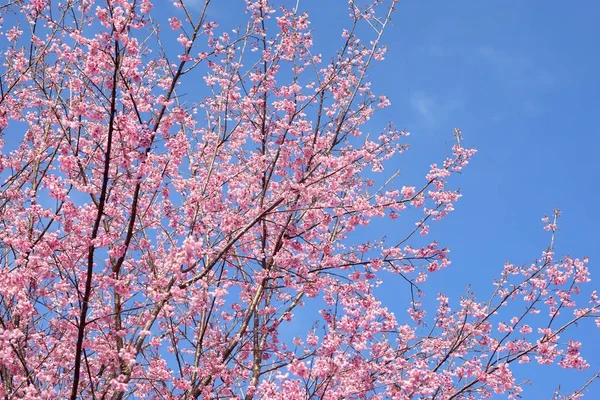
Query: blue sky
(520, 78)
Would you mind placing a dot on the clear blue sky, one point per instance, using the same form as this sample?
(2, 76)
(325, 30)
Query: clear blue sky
(520, 78)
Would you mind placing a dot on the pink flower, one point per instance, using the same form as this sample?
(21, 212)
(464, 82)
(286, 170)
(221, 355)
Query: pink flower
(14, 34)
(408, 191)
(184, 40)
(175, 23)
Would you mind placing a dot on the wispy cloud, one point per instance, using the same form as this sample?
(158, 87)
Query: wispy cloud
(521, 76)
(435, 50)
(515, 68)
(222, 9)
(422, 104)
(434, 110)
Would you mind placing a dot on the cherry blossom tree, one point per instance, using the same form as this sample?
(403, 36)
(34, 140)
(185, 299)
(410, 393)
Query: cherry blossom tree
(175, 195)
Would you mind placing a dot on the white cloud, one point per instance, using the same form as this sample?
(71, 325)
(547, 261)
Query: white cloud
(521, 77)
(435, 50)
(516, 69)
(422, 104)
(433, 110)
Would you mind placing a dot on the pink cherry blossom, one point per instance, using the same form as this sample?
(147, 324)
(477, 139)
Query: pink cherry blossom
(175, 23)
(184, 224)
